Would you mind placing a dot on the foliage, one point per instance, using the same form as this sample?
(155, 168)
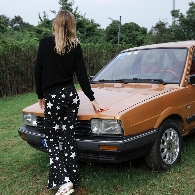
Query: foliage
(160, 33)
(16, 64)
(44, 28)
(133, 33)
(111, 32)
(5, 18)
(16, 28)
(17, 60)
(19, 42)
(88, 31)
(181, 29)
(3, 27)
(68, 5)
(3, 23)
(183, 26)
(129, 33)
(17, 23)
(96, 56)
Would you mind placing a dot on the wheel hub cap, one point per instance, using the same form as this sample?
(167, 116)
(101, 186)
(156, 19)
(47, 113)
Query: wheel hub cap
(169, 146)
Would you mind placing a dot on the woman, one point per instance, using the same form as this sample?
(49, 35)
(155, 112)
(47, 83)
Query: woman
(58, 57)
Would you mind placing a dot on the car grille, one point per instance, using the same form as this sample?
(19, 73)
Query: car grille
(40, 123)
(82, 127)
(96, 157)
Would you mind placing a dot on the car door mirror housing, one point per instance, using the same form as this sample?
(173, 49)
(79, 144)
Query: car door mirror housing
(191, 79)
(91, 78)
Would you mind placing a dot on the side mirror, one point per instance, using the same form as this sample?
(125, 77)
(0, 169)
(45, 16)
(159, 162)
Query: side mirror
(91, 78)
(191, 79)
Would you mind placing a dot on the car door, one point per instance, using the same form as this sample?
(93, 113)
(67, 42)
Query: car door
(191, 87)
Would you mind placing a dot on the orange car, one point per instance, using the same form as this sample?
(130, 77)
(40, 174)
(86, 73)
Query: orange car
(150, 93)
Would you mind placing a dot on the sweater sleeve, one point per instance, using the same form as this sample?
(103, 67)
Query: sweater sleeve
(39, 69)
(81, 73)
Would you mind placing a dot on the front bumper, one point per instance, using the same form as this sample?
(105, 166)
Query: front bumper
(128, 148)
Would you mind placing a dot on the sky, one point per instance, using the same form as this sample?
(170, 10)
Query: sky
(145, 13)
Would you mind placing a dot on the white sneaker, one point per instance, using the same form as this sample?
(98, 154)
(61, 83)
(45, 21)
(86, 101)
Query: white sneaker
(65, 189)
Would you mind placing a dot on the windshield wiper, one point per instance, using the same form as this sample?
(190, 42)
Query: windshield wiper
(160, 81)
(112, 80)
(156, 80)
(139, 80)
(136, 80)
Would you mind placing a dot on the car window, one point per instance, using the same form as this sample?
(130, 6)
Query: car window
(118, 67)
(162, 63)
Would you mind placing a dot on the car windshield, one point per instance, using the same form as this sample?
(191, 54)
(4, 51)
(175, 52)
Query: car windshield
(164, 65)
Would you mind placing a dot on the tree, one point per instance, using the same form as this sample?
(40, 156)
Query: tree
(160, 33)
(68, 5)
(111, 32)
(44, 27)
(89, 31)
(3, 23)
(45, 22)
(131, 33)
(183, 26)
(181, 29)
(16, 22)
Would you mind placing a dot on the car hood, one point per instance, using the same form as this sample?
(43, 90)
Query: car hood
(120, 98)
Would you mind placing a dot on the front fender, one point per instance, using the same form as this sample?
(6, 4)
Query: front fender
(166, 113)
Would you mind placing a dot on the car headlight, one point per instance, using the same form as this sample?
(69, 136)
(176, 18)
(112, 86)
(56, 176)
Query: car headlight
(29, 119)
(105, 126)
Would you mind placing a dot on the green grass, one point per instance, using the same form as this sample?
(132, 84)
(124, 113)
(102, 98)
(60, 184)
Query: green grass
(24, 170)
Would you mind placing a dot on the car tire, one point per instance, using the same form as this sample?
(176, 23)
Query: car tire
(166, 150)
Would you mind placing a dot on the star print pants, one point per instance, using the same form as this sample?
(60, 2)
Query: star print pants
(61, 108)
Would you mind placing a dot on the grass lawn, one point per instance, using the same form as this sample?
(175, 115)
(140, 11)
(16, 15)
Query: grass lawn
(24, 170)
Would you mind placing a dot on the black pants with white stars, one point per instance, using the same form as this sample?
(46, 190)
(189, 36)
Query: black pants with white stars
(61, 108)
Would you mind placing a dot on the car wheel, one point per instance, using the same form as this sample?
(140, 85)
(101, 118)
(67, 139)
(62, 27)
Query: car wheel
(166, 151)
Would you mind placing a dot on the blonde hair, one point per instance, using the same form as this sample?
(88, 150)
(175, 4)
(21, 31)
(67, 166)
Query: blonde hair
(64, 29)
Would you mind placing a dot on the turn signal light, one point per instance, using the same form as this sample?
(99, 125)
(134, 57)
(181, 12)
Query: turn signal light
(22, 135)
(108, 148)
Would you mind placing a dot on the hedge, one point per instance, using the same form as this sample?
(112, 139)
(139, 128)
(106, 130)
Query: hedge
(17, 60)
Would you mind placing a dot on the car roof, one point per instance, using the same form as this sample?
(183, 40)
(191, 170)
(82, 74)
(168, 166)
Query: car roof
(187, 44)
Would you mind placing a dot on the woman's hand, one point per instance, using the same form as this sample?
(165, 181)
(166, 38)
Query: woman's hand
(98, 107)
(41, 103)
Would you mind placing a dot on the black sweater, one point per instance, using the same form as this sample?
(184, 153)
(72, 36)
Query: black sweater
(53, 71)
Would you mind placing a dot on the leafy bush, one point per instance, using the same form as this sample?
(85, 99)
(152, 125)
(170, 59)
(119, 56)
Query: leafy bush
(16, 66)
(96, 56)
(18, 56)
